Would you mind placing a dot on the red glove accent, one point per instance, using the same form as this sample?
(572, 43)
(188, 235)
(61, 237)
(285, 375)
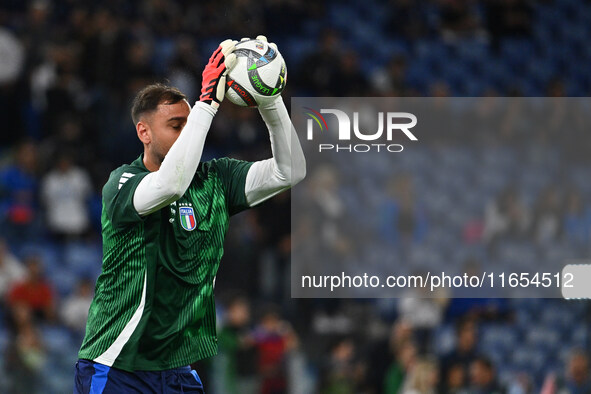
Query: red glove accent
(214, 74)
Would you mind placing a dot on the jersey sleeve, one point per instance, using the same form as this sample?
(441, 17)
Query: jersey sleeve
(232, 174)
(118, 196)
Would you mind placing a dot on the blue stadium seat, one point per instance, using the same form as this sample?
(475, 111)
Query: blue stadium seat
(4, 339)
(498, 336)
(584, 14)
(340, 16)
(420, 74)
(473, 50)
(543, 33)
(543, 338)
(84, 259)
(63, 281)
(549, 16)
(518, 253)
(525, 358)
(427, 256)
(558, 317)
(50, 253)
(517, 52)
(579, 335)
(444, 339)
(541, 70)
(58, 340)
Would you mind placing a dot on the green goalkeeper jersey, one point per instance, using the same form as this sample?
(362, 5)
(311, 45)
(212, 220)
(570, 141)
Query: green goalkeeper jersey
(153, 307)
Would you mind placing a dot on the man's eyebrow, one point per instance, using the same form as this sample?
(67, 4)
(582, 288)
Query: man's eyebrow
(181, 118)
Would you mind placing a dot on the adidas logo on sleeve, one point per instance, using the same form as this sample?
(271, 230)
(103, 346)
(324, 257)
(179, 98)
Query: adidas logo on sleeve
(124, 178)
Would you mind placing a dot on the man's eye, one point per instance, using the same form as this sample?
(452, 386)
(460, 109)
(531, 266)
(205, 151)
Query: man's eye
(177, 127)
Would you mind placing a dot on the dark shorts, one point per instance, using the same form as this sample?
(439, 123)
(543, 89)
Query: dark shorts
(94, 378)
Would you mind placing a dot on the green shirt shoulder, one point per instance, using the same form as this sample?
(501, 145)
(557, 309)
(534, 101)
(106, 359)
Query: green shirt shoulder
(118, 194)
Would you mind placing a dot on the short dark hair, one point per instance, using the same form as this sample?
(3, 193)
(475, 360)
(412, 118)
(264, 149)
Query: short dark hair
(148, 99)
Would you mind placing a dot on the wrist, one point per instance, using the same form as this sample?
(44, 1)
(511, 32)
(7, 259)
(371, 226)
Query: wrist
(205, 107)
(269, 103)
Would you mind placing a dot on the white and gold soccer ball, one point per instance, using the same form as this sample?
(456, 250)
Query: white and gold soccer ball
(259, 73)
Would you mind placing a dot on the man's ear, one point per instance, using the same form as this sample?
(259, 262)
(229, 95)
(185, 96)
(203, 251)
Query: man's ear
(143, 133)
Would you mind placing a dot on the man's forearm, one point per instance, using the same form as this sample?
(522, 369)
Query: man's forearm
(172, 179)
(287, 167)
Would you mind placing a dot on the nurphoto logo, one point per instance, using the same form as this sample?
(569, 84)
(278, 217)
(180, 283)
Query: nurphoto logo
(395, 122)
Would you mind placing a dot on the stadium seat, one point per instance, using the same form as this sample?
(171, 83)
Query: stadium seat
(83, 259)
(543, 338)
(64, 281)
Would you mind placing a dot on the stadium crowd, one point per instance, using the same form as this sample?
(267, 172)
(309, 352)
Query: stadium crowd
(68, 72)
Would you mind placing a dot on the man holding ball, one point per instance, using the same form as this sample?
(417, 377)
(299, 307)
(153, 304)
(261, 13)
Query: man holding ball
(164, 221)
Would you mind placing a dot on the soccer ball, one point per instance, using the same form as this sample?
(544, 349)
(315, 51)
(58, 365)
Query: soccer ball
(259, 74)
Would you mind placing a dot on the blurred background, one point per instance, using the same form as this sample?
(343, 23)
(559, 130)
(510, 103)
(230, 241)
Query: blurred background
(68, 71)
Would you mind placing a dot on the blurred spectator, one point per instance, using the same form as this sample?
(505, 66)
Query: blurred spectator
(25, 356)
(577, 379)
(383, 353)
(184, 68)
(352, 81)
(463, 306)
(319, 74)
(237, 350)
(284, 16)
(483, 377)
(75, 138)
(403, 220)
(506, 217)
(343, 372)
(274, 339)
(459, 20)
(522, 384)
(422, 379)
(11, 49)
(508, 18)
(74, 310)
(547, 215)
(454, 382)
(240, 11)
(407, 19)
(62, 93)
(103, 51)
(12, 53)
(18, 193)
(577, 220)
(464, 351)
(65, 192)
(390, 80)
(34, 291)
(328, 208)
(424, 312)
(405, 359)
(274, 217)
(11, 270)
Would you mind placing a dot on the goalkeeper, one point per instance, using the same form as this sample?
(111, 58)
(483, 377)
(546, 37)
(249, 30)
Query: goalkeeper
(164, 220)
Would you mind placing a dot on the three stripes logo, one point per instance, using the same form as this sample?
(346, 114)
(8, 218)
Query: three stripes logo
(124, 178)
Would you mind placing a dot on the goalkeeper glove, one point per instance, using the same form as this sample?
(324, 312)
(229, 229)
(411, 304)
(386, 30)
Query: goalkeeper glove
(261, 38)
(214, 75)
